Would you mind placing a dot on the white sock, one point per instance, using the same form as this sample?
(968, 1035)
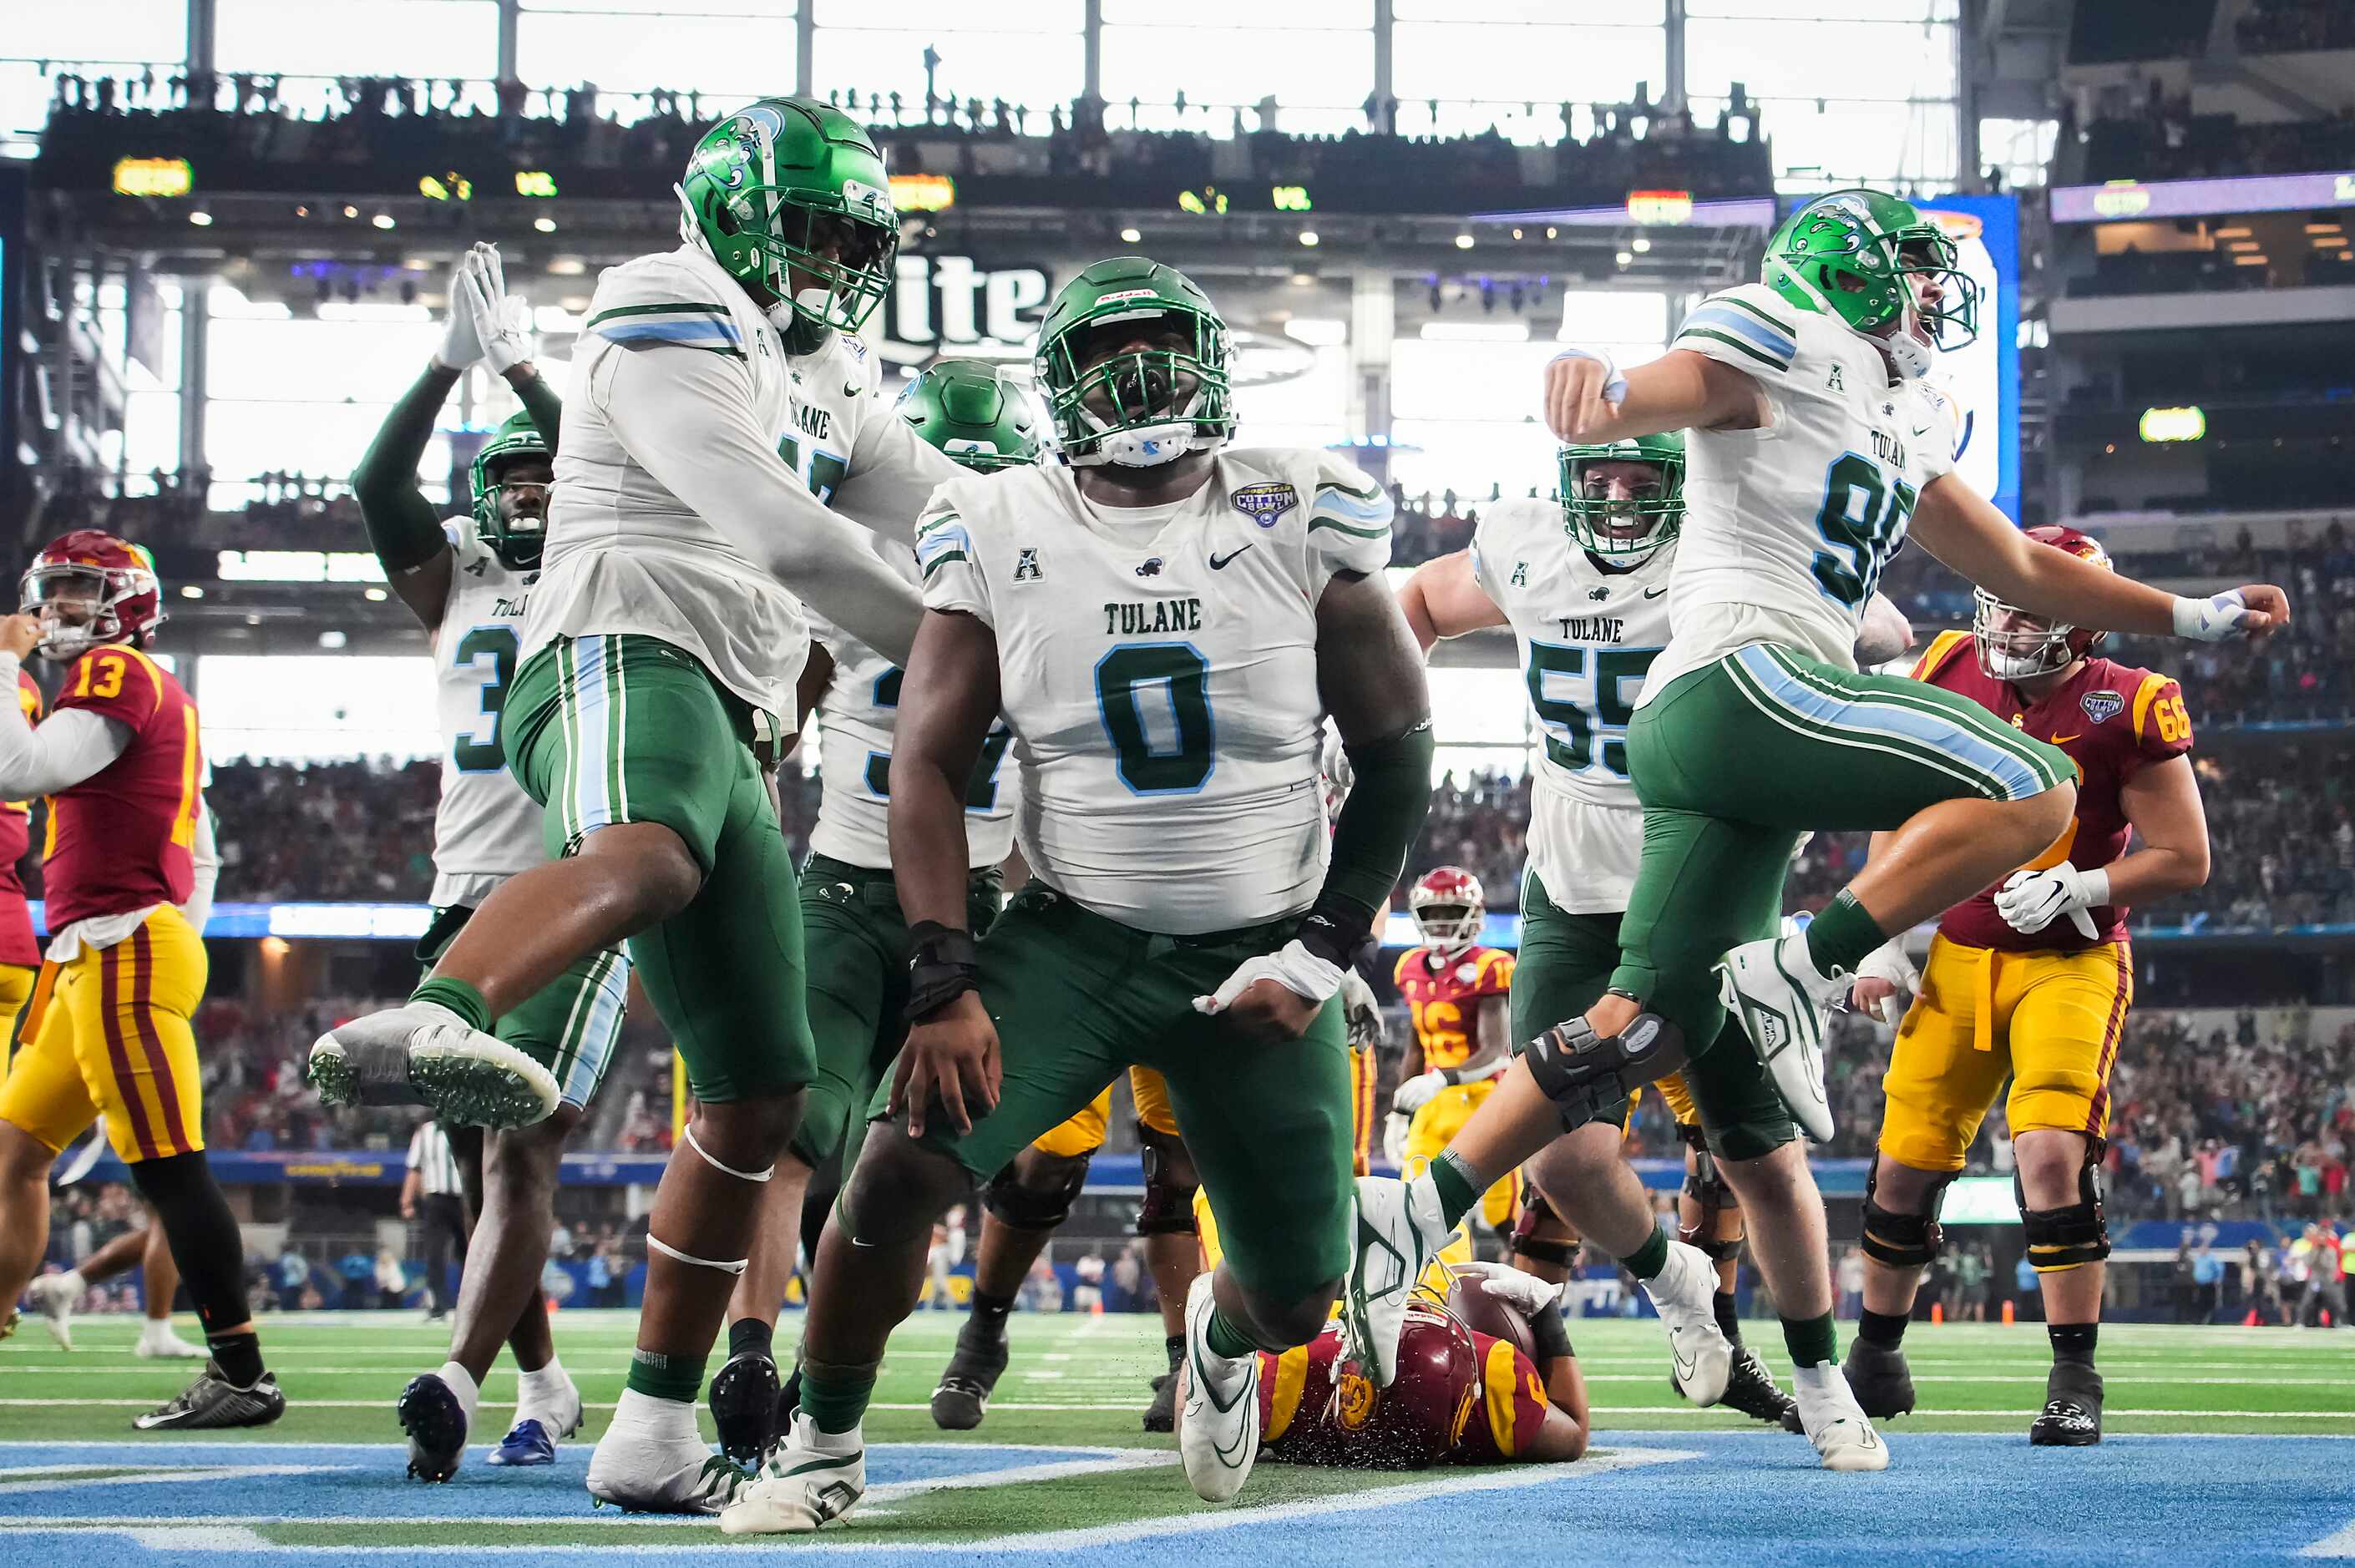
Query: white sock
(1802, 963)
(660, 1418)
(1823, 1380)
(71, 1279)
(807, 1436)
(544, 1391)
(157, 1328)
(462, 1383)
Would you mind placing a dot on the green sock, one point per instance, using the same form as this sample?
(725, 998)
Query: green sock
(676, 1378)
(1224, 1339)
(1839, 938)
(1647, 1261)
(1459, 1186)
(459, 998)
(835, 1398)
(1812, 1341)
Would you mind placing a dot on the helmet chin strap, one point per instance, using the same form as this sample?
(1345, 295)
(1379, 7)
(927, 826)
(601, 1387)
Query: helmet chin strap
(1909, 354)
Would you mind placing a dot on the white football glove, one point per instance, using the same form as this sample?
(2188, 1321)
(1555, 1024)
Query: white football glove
(1364, 1014)
(1524, 1293)
(1294, 968)
(1394, 1132)
(502, 321)
(1888, 962)
(1417, 1092)
(2030, 900)
(1615, 383)
(2217, 619)
(459, 345)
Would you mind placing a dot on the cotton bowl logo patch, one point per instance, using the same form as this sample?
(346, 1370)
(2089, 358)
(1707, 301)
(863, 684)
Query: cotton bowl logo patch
(2103, 705)
(1263, 504)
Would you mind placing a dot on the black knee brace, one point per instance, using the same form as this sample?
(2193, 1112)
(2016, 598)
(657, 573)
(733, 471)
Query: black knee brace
(1028, 1208)
(2067, 1238)
(1587, 1076)
(1168, 1209)
(1539, 1233)
(206, 1243)
(1903, 1240)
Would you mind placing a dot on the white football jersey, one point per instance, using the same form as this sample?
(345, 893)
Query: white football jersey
(1158, 671)
(1588, 633)
(485, 829)
(625, 555)
(855, 720)
(1787, 527)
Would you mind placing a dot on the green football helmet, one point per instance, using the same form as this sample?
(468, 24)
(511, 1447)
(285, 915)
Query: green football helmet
(960, 407)
(784, 185)
(516, 541)
(1138, 409)
(1853, 252)
(1625, 531)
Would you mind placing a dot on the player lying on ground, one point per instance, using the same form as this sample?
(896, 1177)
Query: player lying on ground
(468, 579)
(856, 938)
(1163, 625)
(128, 873)
(1486, 1376)
(2030, 981)
(1753, 726)
(660, 654)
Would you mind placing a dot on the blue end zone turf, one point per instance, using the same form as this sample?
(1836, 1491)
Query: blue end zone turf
(1735, 1498)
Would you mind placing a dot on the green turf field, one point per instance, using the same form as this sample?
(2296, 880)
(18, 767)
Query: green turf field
(1084, 1380)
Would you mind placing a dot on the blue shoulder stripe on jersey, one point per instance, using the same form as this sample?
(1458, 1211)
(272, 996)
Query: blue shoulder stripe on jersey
(947, 534)
(1724, 318)
(1332, 499)
(695, 330)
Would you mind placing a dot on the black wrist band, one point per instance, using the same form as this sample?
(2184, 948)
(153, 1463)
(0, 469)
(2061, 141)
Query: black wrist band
(1335, 933)
(1547, 1334)
(942, 965)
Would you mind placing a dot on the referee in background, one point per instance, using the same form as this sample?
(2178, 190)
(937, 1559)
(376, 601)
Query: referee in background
(433, 1198)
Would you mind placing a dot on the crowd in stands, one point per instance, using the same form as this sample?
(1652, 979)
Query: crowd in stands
(375, 133)
(2286, 27)
(2166, 141)
(2108, 30)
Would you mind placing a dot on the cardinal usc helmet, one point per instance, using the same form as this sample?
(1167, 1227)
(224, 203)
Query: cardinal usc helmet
(1449, 908)
(1415, 1421)
(90, 589)
(2016, 645)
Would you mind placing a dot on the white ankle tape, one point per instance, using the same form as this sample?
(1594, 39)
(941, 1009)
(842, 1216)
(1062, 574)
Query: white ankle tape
(730, 1170)
(657, 1245)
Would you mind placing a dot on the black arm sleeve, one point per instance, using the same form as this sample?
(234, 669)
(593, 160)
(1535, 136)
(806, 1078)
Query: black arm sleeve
(1378, 826)
(540, 401)
(401, 525)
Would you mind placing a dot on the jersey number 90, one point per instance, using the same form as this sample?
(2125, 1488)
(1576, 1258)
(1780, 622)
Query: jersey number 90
(1863, 518)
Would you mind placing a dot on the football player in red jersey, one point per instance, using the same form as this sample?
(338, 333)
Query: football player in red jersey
(1461, 1396)
(2030, 981)
(1458, 993)
(110, 1027)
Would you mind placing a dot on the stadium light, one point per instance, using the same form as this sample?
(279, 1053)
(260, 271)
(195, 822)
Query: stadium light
(153, 178)
(1131, 236)
(1463, 242)
(1475, 332)
(1307, 237)
(2173, 424)
(545, 225)
(201, 219)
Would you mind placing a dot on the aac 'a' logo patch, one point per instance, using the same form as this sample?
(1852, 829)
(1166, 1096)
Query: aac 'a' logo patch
(1835, 383)
(1026, 567)
(1263, 504)
(1521, 574)
(2103, 705)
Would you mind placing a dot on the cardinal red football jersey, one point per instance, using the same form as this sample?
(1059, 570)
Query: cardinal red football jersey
(17, 944)
(2111, 719)
(124, 838)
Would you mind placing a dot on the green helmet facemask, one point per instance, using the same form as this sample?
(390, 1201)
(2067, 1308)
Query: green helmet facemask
(960, 407)
(516, 540)
(1144, 408)
(785, 187)
(1626, 530)
(1853, 253)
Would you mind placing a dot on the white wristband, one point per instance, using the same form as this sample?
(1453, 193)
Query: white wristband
(2095, 886)
(1615, 384)
(2211, 619)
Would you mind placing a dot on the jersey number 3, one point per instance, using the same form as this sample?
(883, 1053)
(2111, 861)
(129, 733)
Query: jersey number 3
(479, 750)
(980, 791)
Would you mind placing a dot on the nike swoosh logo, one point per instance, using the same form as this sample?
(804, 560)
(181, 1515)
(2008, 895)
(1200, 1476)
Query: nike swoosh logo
(1217, 562)
(1654, 593)
(2065, 739)
(1921, 429)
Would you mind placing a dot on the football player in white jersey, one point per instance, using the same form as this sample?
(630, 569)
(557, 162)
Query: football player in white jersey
(660, 654)
(850, 912)
(1164, 623)
(468, 579)
(1812, 445)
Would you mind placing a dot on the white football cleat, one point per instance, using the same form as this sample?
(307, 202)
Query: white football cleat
(1684, 1292)
(659, 1466)
(1833, 1422)
(158, 1342)
(1772, 989)
(814, 1478)
(1217, 1427)
(423, 1053)
(1397, 1232)
(55, 1295)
